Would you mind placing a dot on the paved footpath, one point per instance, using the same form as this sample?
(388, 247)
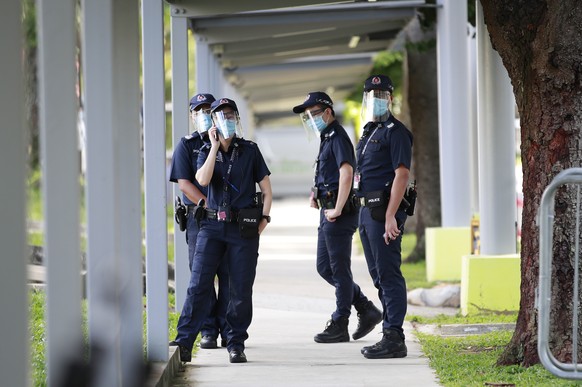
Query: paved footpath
(291, 304)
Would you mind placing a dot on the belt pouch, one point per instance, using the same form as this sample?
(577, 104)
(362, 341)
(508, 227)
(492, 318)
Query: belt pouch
(248, 222)
(377, 202)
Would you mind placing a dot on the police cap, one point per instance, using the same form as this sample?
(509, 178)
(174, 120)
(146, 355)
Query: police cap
(314, 98)
(219, 103)
(379, 82)
(200, 99)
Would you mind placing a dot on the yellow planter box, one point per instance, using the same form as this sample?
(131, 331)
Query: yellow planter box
(445, 247)
(490, 283)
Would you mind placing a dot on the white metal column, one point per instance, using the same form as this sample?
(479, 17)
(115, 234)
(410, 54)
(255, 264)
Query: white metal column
(474, 134)
(204, 59)
(496, 148)
(111, 68)
(454, 133)
(14, 350)
(61, 190)
(154, 124)
(180, 128)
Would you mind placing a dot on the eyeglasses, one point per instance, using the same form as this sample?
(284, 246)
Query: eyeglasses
(308, 114)
(225, 114)
(201, 111)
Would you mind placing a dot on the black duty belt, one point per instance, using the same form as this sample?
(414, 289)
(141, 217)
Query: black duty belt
(213, 215)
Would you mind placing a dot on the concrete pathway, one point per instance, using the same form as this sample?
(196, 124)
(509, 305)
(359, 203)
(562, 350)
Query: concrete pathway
(291, 304)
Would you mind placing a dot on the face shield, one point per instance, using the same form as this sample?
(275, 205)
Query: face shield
(228, 123)
(313, 122)
(375, 105)
(201, 120)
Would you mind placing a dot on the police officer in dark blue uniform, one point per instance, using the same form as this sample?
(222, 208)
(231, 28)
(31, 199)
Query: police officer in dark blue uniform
(230, 167)
(384, 155)
(183, 172)
(332, 194)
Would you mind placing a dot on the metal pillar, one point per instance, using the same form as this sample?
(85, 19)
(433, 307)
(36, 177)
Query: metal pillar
(14, 335)
(180, 127)
(114, 283)
(61, 189)
(496, 148)
(154, 124)
(454, 135)
(474, 134)
(204, 59)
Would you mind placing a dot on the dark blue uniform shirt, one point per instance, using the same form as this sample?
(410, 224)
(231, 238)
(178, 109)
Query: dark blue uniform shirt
(383, 147)
(248, 169)
(335, 149)
(184, 162)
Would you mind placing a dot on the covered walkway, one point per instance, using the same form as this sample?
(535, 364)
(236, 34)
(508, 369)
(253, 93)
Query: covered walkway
(292, 304)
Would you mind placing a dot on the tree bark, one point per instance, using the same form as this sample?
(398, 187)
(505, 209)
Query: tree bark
(423, 105)
(540, 44)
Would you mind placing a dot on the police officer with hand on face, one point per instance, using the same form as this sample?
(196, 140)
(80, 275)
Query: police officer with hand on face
(235, 215)
(332, 194)
(183, 171)
(384, 155)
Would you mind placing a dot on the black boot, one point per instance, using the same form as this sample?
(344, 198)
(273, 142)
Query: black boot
(391, 346)
(368, 317)
(335, 332)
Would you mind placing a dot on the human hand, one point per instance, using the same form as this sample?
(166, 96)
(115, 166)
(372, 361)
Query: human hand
(391, 230)
(332, 215)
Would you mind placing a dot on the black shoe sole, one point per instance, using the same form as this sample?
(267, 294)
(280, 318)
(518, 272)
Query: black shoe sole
(359, 335)
(241, 358)
(345, 339)
(391, 355)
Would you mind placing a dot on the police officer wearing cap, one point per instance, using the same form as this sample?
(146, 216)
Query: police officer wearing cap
(183, 171)
(332, 194)
(230, 167)
(384, 155)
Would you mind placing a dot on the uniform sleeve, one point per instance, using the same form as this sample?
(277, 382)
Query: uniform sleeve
(401, 148)
(202, 155)
(182, 165)
(343, 151)
(261, 169)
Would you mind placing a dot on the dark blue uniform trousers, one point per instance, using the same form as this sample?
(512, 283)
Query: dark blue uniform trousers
(215, 323)
(384, 266)
(334, 260)
(220, 242)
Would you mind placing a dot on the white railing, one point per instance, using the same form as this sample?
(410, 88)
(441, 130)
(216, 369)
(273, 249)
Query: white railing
(571, 370)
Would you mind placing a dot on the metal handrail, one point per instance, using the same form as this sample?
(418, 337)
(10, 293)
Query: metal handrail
(571, 370)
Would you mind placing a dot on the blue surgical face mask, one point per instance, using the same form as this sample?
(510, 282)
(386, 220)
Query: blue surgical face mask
(230, 128)
(203, 122)
(319, 123)
(380, 107)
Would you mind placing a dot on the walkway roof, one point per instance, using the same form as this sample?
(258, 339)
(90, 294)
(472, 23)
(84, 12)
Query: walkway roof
(275, 56)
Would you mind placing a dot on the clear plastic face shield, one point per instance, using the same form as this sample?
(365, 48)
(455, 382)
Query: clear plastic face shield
(201, 119)
(376, 105)
(313, 122)
(228, 123)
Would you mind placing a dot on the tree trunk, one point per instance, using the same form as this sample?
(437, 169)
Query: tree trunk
(539, 43)
(423, 104)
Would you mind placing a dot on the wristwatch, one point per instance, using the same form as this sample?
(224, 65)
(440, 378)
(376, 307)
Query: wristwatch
(267, 217)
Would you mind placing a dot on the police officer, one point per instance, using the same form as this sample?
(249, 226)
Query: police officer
(332, 194)
(183, 172)
(384, 155)
(230, 167)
